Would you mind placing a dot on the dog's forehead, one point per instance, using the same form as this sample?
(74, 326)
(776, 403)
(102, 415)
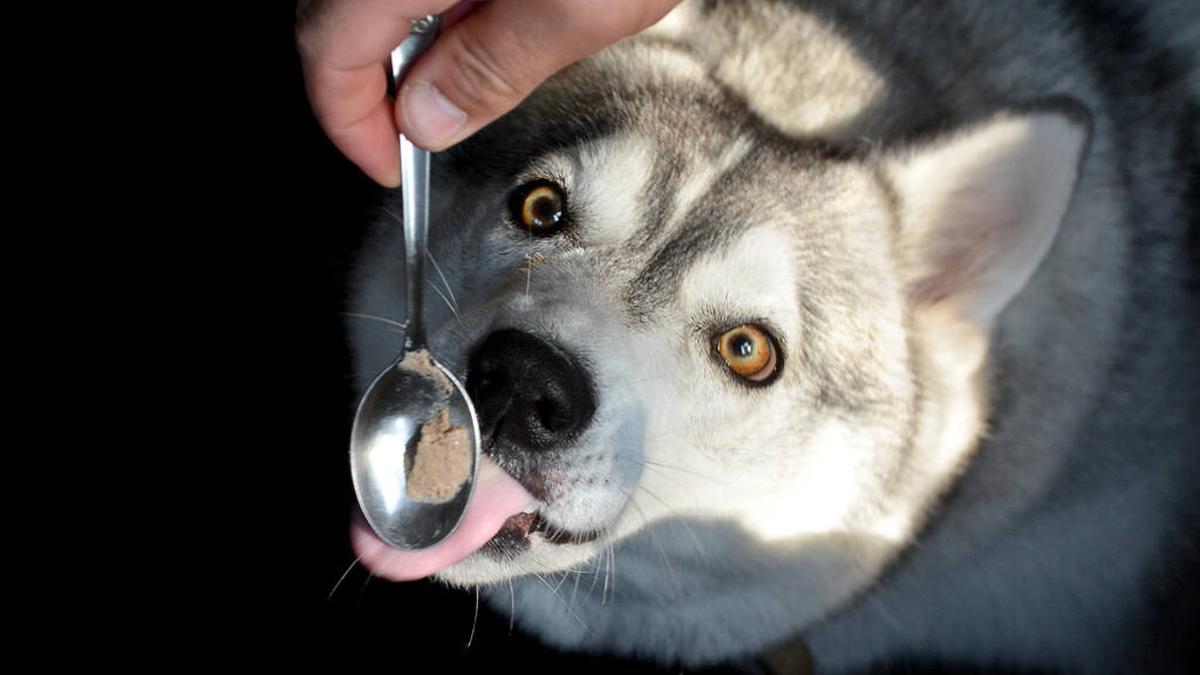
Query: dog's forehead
(754, 278)
(658, 211)
(702, 210)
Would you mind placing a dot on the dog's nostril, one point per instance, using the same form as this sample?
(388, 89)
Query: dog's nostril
(543, 395)
(552, 418)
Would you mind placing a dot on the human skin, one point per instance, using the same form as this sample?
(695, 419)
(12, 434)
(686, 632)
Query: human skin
(488, 57)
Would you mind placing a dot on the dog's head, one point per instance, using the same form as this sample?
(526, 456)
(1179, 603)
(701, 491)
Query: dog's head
(672, 316)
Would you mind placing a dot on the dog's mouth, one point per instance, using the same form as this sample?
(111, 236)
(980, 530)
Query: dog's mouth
(522, 415)
(517, 532)
(501, 520)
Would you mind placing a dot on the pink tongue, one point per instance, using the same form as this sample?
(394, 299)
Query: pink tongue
(497, 496)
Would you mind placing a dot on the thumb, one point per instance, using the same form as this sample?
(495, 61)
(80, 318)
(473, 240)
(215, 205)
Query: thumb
(484, 65)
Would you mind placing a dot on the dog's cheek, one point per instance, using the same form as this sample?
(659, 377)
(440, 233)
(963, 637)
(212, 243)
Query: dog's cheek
(604, 474)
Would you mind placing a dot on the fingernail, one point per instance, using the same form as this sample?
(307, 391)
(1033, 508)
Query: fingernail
(429, 115)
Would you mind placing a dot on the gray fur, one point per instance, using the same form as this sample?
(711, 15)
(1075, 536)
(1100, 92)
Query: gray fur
(784, 130)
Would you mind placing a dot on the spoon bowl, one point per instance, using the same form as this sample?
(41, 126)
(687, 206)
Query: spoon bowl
(384, 442)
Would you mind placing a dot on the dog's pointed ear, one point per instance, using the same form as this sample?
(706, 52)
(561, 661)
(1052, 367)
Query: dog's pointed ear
(980, 208)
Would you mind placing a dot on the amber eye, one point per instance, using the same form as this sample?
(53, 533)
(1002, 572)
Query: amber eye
(540, 207)
(749, 352)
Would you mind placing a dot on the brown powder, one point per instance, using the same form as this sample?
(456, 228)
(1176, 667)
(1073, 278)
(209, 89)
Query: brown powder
(421, 361)
(442, 461)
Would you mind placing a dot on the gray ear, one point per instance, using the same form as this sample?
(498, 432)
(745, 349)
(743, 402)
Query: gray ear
(979, 210)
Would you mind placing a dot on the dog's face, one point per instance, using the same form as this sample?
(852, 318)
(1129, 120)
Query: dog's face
(669, 314)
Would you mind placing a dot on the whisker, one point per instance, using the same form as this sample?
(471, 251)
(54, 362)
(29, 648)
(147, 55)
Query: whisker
(443, 297)
(666, 506)
(611, 558)
(452, 305)
(883, 612)
(396, 216)
(575, 589)
(445, 283)
(660, 471)
(596, 565)
(363, 589)
(372, 317)
(528, 263)
(342, 578)
(561, 581)
(654, 539)
(474, 620)
(683, 469)
(687, 528)
(644, 464)
(613, 547)
(512, 610)
(661, 468)
(561, 601)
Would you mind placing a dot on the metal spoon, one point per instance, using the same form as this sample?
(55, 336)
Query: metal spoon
(389, 422)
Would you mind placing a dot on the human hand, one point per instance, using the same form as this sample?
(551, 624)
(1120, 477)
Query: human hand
(488, 57)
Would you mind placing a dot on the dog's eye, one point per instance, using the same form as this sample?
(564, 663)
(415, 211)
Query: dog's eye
(540, 207)
(749, 352)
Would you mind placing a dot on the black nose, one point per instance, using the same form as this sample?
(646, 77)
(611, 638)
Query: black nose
(529, 392)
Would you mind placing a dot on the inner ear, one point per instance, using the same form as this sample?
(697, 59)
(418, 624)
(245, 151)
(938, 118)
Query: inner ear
(979, 209)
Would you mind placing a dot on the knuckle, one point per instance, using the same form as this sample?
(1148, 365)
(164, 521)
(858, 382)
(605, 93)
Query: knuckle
(481, 77)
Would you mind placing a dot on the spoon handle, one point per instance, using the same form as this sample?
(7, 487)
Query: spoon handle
(414, 176)
(414, 167)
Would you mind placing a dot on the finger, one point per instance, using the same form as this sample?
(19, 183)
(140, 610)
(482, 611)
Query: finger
(342, 47)
(356, 114)
(481, 67)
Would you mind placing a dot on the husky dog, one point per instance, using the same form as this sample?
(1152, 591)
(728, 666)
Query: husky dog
(868, 324)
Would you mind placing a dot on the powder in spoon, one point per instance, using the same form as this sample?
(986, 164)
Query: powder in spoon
(421, 361)
(442, 461)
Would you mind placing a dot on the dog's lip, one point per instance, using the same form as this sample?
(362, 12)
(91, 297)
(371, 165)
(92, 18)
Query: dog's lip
(558, 535)
(522, 526)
